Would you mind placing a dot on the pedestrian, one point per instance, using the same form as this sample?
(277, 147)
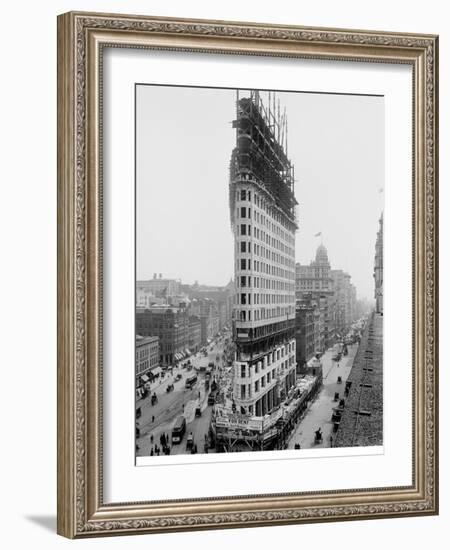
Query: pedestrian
(151, 452)
(151, 438)
(153, 419)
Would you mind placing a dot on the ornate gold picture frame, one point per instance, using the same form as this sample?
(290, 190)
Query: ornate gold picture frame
(82, 39)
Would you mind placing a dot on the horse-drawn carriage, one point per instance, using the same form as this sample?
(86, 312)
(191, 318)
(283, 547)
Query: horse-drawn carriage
(336, 417)
(190, 442)
(318, 438)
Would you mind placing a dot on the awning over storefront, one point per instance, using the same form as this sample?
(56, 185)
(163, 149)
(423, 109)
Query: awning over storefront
(157, 371)
(145, 378)
(178, 356)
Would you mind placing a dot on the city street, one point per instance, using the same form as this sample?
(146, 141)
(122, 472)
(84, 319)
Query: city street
(319, 412)
(160, 418)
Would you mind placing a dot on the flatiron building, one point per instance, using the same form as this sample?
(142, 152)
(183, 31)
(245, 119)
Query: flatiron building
(263, 219)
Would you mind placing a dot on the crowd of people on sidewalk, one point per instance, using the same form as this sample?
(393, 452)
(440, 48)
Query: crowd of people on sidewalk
(163, 449)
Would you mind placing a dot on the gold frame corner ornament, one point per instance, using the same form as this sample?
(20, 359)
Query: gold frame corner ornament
(81, 511)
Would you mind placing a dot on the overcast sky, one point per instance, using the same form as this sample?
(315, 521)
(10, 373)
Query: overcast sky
(184, 143)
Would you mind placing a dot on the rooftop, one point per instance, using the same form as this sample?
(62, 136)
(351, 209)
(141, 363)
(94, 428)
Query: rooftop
(144, 340)
(362, 421)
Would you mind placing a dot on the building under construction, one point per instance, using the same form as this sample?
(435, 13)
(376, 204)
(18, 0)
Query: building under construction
(263, 219)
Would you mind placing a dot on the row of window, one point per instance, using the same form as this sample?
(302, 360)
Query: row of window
(264, 298)
(245, 264)
(246, 230)
(264, 313)
(309, 284)
(261, 282)
(162, 325)
(174, 334)
(245, 195)
(142, 366)
(259, 218)
(147, 351)
(264, 380)
(267, 360)
(259, 250)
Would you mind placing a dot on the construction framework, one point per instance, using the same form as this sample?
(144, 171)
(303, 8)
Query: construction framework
(261, 150)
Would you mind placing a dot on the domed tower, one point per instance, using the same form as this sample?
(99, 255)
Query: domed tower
(314, 283)
(321, 270)
(322, 256)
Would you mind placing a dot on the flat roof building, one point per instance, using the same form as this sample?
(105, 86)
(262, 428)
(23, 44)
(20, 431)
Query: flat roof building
(171, 325)
(147, 357)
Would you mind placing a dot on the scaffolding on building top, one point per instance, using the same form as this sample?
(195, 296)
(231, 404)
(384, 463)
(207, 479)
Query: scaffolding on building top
(261, 152)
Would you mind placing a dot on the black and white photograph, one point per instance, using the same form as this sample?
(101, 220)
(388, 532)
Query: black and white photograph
(232, 218)
(259, 270)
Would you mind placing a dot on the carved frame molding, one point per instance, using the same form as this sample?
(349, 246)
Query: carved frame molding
(81, 37)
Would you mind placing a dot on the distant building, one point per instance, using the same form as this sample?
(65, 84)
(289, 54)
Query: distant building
(171, 325)
(195, 334)
(221, 296)
(334, 293)
(305, 332)
(206, 310)
(353, 303)
(147, 357)
(158, 287)
(315, 280)
(180, 300)
(378, 269)
(223, 314)
(363, 307)
(315, 277)
(146, 299)
(345, 300)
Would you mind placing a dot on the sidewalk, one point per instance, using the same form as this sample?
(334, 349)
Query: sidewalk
(319, 412)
